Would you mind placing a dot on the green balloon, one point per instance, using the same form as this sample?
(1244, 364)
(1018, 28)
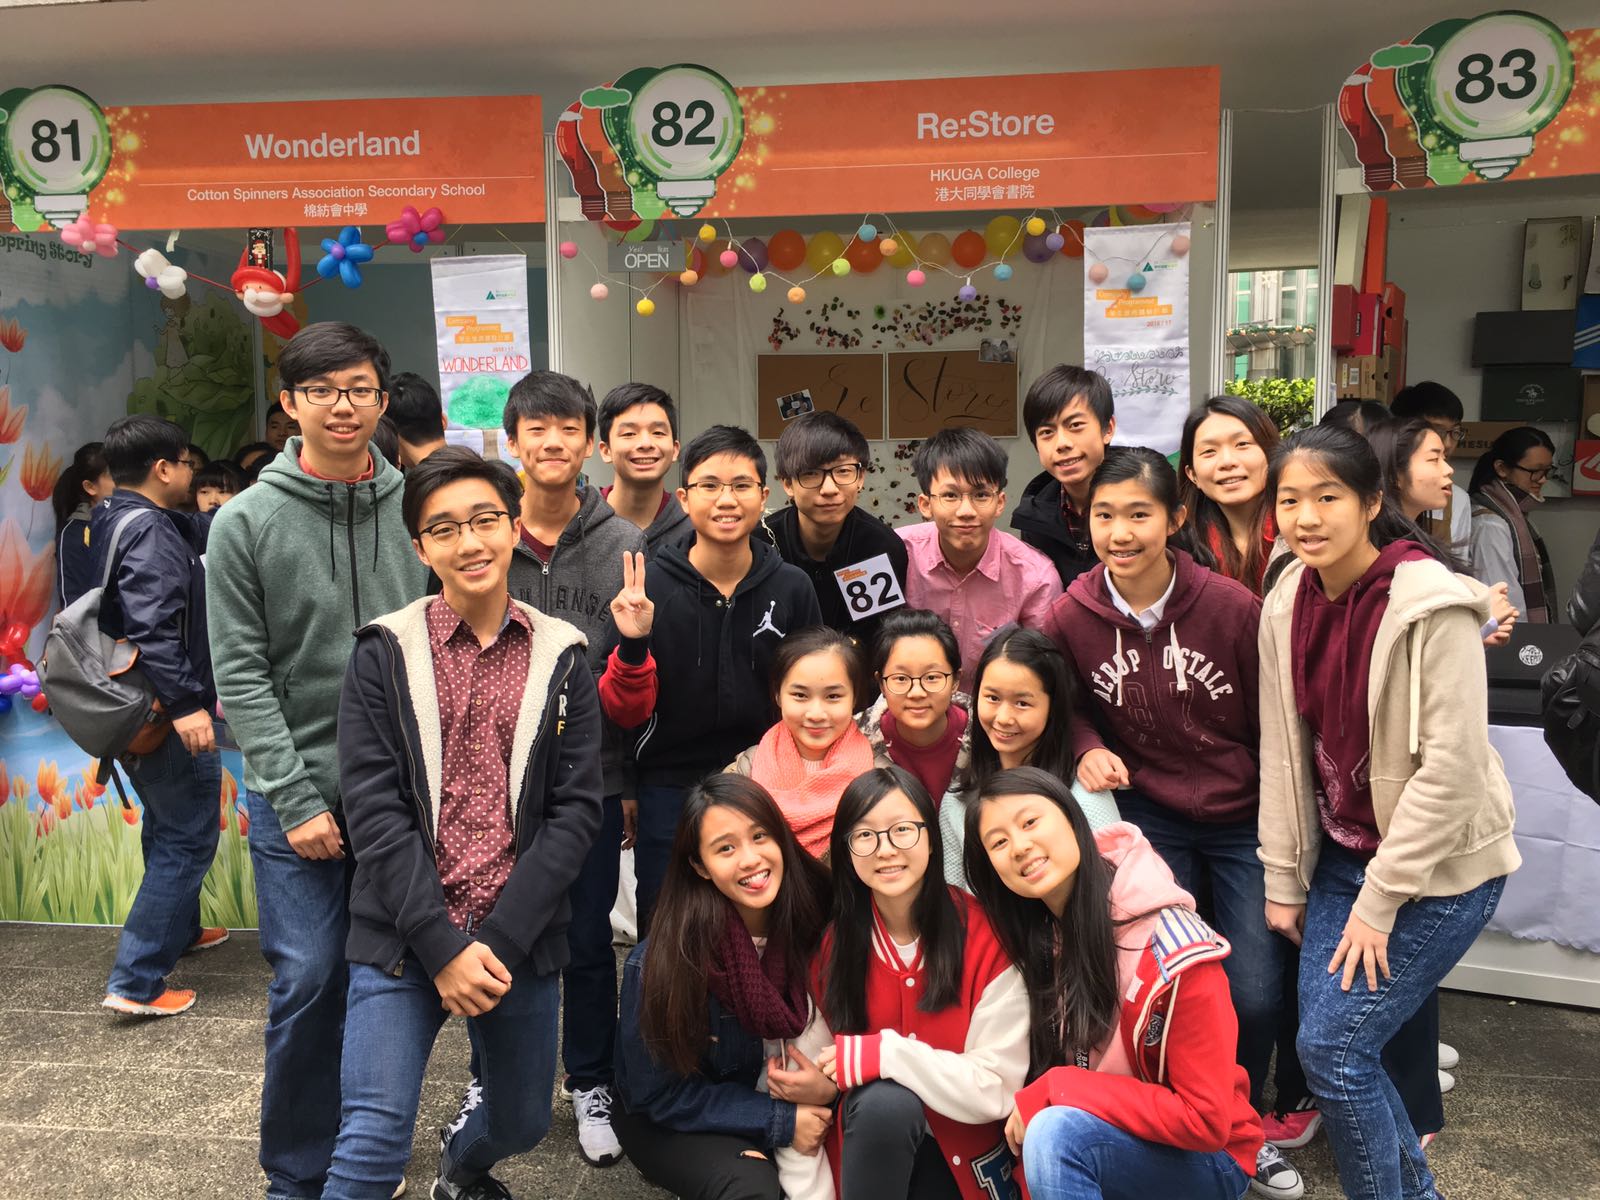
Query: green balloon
(480, 402)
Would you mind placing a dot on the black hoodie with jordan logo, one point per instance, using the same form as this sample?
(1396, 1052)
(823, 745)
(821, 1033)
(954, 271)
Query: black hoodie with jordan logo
(714, 660)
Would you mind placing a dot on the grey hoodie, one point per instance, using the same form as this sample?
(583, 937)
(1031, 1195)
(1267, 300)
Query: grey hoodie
(671, 525)
(577, 585)
(294, 566)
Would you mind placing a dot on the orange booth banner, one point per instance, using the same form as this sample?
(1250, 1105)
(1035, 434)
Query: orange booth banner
(681, 138)
(329, 162)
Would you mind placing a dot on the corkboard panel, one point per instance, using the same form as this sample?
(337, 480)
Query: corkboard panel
(930, 390)
(848, 384)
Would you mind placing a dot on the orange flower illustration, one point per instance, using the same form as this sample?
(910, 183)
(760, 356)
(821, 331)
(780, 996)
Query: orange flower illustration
(11, 419)
(40, 471)
(52, 788)
(130, 814)
(90, 788)
(44, 822)
(25, 577)
(12, 334)
(244, 823)
(19, 788)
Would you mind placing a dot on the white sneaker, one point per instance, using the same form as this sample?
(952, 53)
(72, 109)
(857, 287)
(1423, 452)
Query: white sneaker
(1449, 1057)
(597, 1142)
(1447, 1082)
(1275, 1176)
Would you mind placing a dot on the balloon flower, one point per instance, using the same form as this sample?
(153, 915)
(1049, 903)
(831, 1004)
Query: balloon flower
(343, 257)
(91, 237)
(416, 229)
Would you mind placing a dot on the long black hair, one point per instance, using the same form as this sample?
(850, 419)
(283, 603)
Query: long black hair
(1070, 966)
(1508, 448)
(1053, 752)
(938, 921)
(690, 921)
(88, 464)
(1396, 443)
(1150, 469)
(1208, 524)
(1349, 458)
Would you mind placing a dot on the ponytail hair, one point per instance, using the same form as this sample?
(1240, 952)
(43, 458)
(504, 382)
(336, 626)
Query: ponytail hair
(1394, 443)
(1349, 458)
(88, 464)
(1152, 471)
(1508, 448)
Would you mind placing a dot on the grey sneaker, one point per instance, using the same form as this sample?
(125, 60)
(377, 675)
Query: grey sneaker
(1275, 1177)
(597, 1141)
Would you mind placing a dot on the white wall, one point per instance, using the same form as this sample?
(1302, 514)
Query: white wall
(1458, 252)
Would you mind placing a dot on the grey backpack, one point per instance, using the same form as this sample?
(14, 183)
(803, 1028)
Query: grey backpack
(95, 687)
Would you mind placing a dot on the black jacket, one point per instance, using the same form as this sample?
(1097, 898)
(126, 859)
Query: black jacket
(157, 599)
(1583, 607)
(1037, 520)
(74, 559)
(390, 764)
(862, 537)
(714, 661)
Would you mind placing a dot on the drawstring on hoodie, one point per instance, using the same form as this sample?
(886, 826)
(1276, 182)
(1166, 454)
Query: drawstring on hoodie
(333, 561)
(1177, 661)
(372, 488)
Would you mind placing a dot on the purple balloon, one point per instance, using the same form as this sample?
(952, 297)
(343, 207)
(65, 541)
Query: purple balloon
(1036, 249)
(1055, 241)
(30, 690)
(10, 685)
(967, 294)
(752, 254)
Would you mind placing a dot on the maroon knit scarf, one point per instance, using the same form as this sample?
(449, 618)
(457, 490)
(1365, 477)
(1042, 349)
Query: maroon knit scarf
(756, 988)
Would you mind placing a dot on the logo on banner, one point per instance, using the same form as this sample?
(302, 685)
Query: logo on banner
(54, 149)
(652, 143)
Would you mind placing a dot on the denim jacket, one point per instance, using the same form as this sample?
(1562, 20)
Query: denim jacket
(720, 1097)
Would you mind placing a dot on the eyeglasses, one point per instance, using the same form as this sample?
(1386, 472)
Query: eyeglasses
(933, 683)
(1453, 435)
(980, 497)
(186, 461)
(902, 836)
(323, 396)
(712, 489)
(843, 475)
(1538, 476)
(484, 524)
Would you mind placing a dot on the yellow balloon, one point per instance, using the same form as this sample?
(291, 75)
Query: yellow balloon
(823, 249)
(904, 251)
(1003, 236)
(707, 232)
(841, 266)
(1035, 225)
(935, 249)
(645, 307)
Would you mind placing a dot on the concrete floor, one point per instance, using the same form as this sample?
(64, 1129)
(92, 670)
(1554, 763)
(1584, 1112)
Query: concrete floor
(93, 1105)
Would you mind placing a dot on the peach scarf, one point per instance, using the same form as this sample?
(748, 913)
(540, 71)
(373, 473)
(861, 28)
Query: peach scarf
(808, 798)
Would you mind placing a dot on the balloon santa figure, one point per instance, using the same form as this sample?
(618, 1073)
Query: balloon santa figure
(267, 293)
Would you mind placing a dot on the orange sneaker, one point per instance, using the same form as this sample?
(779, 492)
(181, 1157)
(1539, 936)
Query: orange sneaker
(209, 939)
(169, 1004)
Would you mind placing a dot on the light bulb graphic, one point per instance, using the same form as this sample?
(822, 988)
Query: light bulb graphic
(580, 163)
(682, 130)
(1399, 132)
(1359, 121)
(55, 147)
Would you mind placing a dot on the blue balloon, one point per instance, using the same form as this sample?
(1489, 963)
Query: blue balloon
(5, 705)
(1003, 272)
(868, 232)
(1136, 281)
(342, 257)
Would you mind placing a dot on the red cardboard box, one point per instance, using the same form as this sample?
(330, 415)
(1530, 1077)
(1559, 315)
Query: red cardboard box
(1344, 317)
(1368, 336)
(1394, 315)
(1375, 266)
(1586, 468)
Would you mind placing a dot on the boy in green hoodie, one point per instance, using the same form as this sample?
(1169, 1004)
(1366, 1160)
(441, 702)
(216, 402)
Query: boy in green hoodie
(295, 566)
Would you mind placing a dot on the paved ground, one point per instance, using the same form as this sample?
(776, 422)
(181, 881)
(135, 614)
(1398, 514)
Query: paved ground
(93, 1105)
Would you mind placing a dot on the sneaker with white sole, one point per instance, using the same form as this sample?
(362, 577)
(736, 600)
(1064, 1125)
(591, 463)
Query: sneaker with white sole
(1275, 1176)
(597, 1141)
(485, 1186)
(1291, 1130)
(169, 1004)
(1449, 1057)
(1447, 1082)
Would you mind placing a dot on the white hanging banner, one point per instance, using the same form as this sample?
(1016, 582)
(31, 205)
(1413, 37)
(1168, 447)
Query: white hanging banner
(1136, 327)
(480, 311)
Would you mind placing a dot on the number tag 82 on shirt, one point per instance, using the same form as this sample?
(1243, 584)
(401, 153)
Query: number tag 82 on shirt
(869, 587)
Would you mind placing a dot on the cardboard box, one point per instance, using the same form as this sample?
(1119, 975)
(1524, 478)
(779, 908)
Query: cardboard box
(1394, 315)
(1521, 338)
(1589, 420)
(1531, 395)
(1375, 260)
(1368, 334)
(1394, 354)
(1362, 377)
(1344, 318)
(1586, 467)
(1479, 436)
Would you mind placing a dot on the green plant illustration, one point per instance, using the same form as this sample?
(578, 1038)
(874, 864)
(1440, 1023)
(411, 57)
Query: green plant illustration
(205, 375)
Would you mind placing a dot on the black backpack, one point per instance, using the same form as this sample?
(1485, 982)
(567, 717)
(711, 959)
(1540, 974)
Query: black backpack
(1571, 691)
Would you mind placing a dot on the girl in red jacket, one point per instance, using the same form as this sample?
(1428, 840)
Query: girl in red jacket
(921, 1021)
(1135, 1091)
(1167, 654)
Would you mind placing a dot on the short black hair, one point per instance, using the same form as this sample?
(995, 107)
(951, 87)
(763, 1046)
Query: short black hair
(630, 395)
(134, 445)
(249, 448)
(966, 453)
(1358, 416)
(198, 456)
(724, 439)
(386, 437)
(548, 394)
(1427, 400)
(817, 439)
(1057, 388)
(909, 623)
(415, 409)
(220, 473)
(330, 346)
(451, 464)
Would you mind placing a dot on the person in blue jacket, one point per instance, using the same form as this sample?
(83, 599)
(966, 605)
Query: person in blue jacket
(85, 485)
(717, 988)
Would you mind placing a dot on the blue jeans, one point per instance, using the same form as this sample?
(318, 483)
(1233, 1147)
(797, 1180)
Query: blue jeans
(304, 916)
(589, 982)
(659, 809)
(1343, 1034)
(1225, 853)
(180, 792)
(389, 1032)
(1067, 1154)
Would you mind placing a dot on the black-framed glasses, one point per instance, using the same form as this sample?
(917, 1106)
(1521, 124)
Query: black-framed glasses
(933, 683)
(711, 489)
(484, 524)
(902, 835)
(843, 475)
(1453, 435)
(324, 396)
(1537, 476)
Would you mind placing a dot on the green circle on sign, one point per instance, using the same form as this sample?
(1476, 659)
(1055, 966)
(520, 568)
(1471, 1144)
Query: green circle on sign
(1503, 75)
(685, 123)
(55, 142)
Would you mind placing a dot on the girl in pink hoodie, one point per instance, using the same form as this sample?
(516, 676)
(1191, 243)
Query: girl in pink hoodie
(1134, 1089)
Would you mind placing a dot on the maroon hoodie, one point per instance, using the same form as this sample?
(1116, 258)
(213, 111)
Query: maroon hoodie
(1332, 643)
(1178, 703)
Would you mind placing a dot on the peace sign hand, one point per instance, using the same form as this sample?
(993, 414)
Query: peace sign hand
(633, 611)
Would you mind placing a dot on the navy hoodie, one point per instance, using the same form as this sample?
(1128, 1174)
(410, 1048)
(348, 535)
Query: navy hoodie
(714, 660)
(1177, 703)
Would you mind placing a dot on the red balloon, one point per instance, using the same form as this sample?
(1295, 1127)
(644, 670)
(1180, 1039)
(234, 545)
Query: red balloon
(40, 704)
(1072, 239)
(786, 250)
(863, 257)
(968, 249)
(13, 636)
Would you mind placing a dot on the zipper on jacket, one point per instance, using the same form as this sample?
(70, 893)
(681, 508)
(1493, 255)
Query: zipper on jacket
(533, 756)
(411, 762)
(355, 575)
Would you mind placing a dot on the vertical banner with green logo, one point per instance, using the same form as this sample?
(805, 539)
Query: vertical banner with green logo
(480, 311)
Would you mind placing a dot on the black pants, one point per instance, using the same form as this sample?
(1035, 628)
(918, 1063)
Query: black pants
(889, 1152)
(697, 1166)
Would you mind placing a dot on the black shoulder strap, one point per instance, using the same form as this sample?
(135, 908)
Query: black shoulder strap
(111, 550)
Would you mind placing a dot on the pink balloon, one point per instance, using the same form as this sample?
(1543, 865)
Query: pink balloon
(1098, 273)
(916, 278)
